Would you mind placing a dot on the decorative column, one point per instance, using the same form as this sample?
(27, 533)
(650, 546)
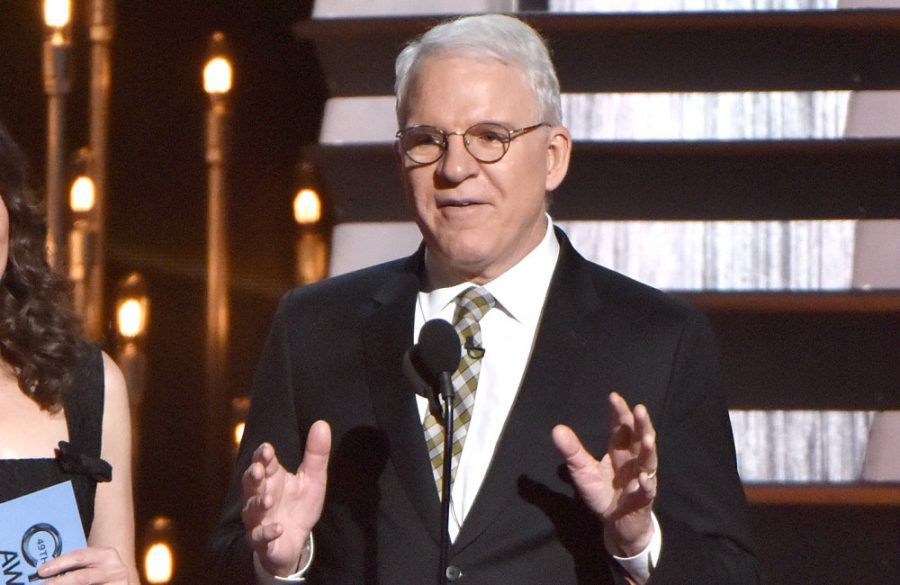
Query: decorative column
(217, 78)
(101, 33)
(57, 84)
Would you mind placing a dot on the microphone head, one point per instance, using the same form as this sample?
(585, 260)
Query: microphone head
(438, 350)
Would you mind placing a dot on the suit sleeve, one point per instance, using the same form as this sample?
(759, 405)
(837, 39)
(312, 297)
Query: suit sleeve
(701, 504)
(272, 418)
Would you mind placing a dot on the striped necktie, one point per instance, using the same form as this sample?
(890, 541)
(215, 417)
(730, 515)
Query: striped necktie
(471, 305)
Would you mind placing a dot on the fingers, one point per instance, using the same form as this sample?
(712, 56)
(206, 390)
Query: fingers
(647, 483)
(318, 448)
(620, 413)
(647, 458)
(640, 492)
(91, 576)
(86, 565)
(264, 534)
(632, 442)
(260, 531)
(637, 493)
(621, 422)
(569, 446)
(265, 456)
(255, 509)
(263, 464)
(66, 562)
(259, 495)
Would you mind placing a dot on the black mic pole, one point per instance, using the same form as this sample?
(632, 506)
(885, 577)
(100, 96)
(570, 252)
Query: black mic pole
(428, 366)
(447, 393)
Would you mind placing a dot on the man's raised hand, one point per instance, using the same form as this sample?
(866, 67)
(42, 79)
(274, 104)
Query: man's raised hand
(281, 508)
(621, 487)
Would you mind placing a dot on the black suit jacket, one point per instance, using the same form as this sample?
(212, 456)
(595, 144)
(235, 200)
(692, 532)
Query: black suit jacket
(335, 353)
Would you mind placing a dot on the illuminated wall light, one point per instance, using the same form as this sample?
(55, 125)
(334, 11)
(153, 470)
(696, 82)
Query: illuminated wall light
(217, 76)
(312, 236)
(159, 563)
(82, 195)
(307, 207)
(159, 557)
(57, 13)
(132, 307)
(131, 318)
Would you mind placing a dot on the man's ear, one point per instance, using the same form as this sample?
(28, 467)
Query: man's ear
(559, 151)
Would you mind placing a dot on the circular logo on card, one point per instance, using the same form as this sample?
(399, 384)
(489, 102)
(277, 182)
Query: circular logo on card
(40, 543)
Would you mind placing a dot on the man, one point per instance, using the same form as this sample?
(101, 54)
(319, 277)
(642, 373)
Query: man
(341, 459)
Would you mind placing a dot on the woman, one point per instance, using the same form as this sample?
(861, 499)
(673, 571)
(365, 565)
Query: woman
(63, 404)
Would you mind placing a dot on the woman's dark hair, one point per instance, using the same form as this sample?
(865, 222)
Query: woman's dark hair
(38, 333)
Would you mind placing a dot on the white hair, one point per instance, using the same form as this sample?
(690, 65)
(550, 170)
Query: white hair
(493, 36)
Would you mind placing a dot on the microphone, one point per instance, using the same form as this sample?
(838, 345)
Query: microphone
(437, 352)
(474, 351)
(429, 365)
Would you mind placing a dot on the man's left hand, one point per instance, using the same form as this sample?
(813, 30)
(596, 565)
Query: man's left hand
(621, 487)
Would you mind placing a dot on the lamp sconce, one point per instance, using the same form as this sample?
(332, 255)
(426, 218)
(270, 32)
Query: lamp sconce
(159, 553)
(82, 235)
(132, 308)
(132, 319)
(311, 214)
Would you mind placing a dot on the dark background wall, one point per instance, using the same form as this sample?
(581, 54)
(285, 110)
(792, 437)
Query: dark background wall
(157, 199)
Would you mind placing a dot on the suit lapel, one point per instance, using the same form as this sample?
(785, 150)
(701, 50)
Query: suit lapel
(559, 350)
(387, 334)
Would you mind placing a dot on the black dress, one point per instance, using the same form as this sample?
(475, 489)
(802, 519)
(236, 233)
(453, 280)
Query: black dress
(79, 459)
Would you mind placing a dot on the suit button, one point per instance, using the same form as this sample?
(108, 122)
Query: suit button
(453, 573)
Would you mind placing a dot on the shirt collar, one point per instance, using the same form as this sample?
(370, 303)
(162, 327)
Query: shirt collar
(514, 289)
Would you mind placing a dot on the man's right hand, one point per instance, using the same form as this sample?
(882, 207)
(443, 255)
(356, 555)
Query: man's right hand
(281, 508)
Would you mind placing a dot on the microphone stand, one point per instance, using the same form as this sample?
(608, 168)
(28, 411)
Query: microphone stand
(447, 394)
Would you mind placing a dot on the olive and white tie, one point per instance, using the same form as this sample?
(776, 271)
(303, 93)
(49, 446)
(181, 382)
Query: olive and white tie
(471, 305)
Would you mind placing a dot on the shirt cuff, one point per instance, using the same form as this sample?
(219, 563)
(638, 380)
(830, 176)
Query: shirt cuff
(263, 577)
(641, 565)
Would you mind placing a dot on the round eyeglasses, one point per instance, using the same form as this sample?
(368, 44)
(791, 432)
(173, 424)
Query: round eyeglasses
(486, 141)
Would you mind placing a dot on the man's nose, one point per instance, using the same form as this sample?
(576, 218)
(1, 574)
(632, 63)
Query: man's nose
(457, 163)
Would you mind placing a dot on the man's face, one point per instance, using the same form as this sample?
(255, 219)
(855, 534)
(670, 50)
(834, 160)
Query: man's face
(479, 219)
